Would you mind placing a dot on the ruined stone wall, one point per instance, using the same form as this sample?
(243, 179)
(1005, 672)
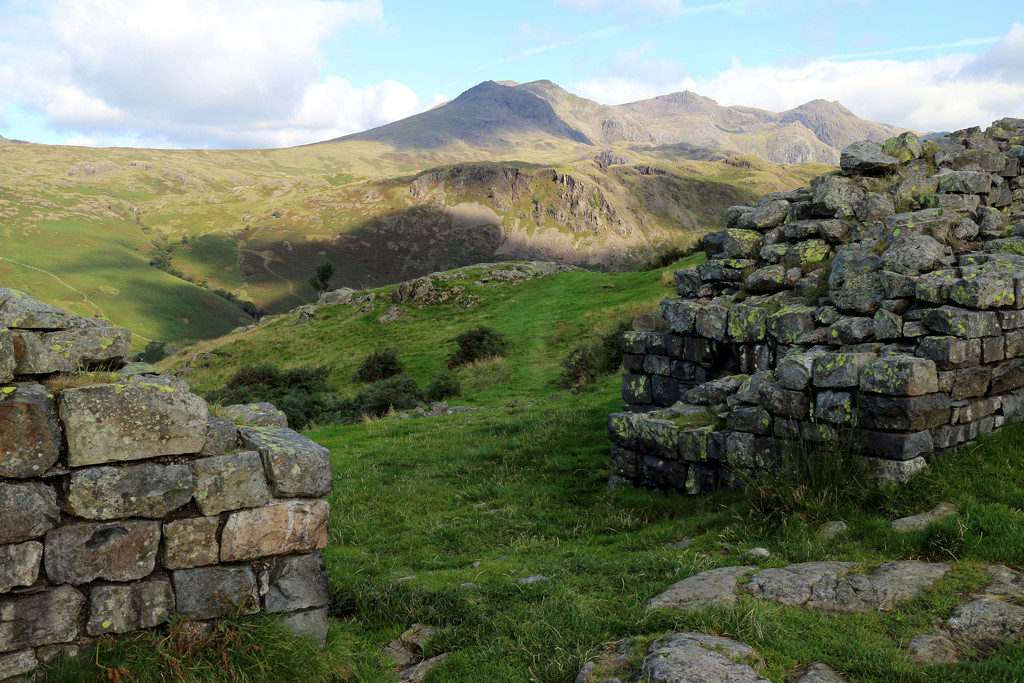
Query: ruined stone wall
(122, 502)
(882, 306)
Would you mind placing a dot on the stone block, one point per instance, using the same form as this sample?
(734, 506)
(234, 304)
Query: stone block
(785, 403)
(657, 437)
(298, 583)
(295, 465)
(1011, 320)
(634, 342)
(31, 431)
(229, 482)
(888, 325)
(22, 310)
(6, 355)
(900, 376)
(664, 390)
(908, 413)
(657, 365)
(129, 607)
(950, 352)
(28, 511)
(221, 436)
(840, 370)
(971, 411)
(1013, 344)
(19, 564)
(149, 490)
(38, 353)
(897, 471)
(40, 618)
(636, 388)
(795, 370)
(687, 282)
(991, 290)
(969, 382)
(935, 222)
(680, 315)
(748, 323)
(851, 330)
(739, 450)
(631, 363)
(752, 420)
(114, 551)
(190, 543)
(959, 322)
(255, 414)
(890, 446)
(211, 592)
(17, 663)
(965, 182)
(623, 429)
(311, 623)
(693, 444)
(712, 322)
(934, 287)
(131, 421)
(625, 462)
(834, 407)
(788, 325)
(293, 526)
(1007, 376)
(698, 349)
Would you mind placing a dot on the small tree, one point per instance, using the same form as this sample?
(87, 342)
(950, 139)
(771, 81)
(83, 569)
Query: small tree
(321, 282)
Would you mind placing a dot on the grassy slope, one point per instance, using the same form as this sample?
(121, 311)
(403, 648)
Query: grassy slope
(522, 492)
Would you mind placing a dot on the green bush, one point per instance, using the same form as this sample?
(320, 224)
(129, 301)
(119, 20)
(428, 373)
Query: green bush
(442, 386)
(579, 368)
(155, 351)
(301, 393)
(478, 344)
(380, 364)
(400, 392)
(603, 356)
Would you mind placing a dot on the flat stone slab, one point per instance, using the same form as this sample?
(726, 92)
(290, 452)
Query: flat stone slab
(40, 619)
(114, 551)
(684, 657)
(987, 622)
(296, 466)
(255, 414)
(1006, 582)
(19, 564)
(132, 491)
(915, 522)
(712, 587)
(820, 672)
(283, 527)
(929, 649)
(825, 586)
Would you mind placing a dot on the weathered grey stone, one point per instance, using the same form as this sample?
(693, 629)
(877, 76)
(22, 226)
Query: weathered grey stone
(748, 323)
(840, 370)
(850, 263)
(229, 482)
(850, 330)
(687, 281)
(221, 436)
(900, 376)
(6, 355)
(40, 618)
(131, 421)
(987, 622)
(867, 158)
(970, 382)
(912, 255)
(916, 522)
(793, 586)
(1005, 583)
(888, 325)
(767, 216)
(835, 196)
(752, 420)
(903, 412)
(785, 403)
(636, 388)
(874, 207)
(698, 657)
(129, 491)
(860, 294)
(992, 289)
(795, 370)
(964, 182)
(904, 147)
(645, 322)
(927, 649)
(17, 663)
(418, 672)
(28, 511)
(936, 222)
(743, 244)
(255, 415)
(949, 320)
(211, 592)
(31, 431)
(310, 623)
(190, 543)
(711, 587)
(129, 607)
(19, 309)
(829, 530)
(789, 324)
(115, 551)
(834, 407)
(894, 447)
(768, 279)
(712, 322)
(68, 350)
(819, 672)
(680, 315)
(407, 649)
(276, 529)
(950, 352)
(934, 287)
(1007, 376)
(19, 564)
(298, 583)
(295, 465)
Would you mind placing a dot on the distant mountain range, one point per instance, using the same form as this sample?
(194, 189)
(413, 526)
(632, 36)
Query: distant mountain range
(496, 116)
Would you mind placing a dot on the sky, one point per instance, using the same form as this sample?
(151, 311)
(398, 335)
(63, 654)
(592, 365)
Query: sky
(275, 73)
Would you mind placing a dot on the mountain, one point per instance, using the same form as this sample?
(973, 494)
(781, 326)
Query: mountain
(497, 116)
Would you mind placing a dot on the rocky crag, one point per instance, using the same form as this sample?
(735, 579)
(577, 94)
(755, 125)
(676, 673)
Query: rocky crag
(883, 305)
(122, 502)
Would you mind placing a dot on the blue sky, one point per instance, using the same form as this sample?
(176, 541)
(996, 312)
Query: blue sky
(269, 73)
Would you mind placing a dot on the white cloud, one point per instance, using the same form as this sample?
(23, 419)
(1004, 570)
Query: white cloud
(202, 73)
(941, 93)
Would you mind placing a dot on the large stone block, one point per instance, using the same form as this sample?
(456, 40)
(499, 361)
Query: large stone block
(40, 619)
(310, 623)
(255, 414)
(950, 352)
(680, 315)
(28, 511)
(910, 413)
(970, 382)
(129, 607)
(129, 491)
(229, 482)
(295, 465)
(893, 446)
(115, 551)
(839, 370)
(712, 322)
(900, 376)
(68, 350)
(221, 436)
(190, 543)
(636, 388)
(949, 320)
(298, 583)
(293, 526)
(131, 421)
(1007, 376)
(834, 407)
(31, 431)
(17, 663)
(19, 309)
(790, 324)
(748, 323)
(19, 564)
(211, 592)
(785, 403)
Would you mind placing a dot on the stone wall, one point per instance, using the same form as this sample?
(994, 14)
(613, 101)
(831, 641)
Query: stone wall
(122, 502)
(883, 306)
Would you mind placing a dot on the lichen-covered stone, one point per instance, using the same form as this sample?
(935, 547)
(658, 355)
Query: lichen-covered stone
(22, 310)
(790, 323)
(785, 403)
(913, 254)
(888, 325)
(211, 592)
(31, 431)
(743, 244)
(748, 323)
(934, 222)
(860, 294)
(190, 542)
(131, 421)
(636, 388)
(834, 407)
(129, 607)
(950, 352)
(680, 315)
(795, 370)
(19, 564)
(130, 491)
(40, 619)
(770, 278)
(839, 370)
(28, 511)
(68, 350)
(908, 413)
(867, 158)
(900, 376)
(712, 322)
(835, 196)
(903, 147)
(298, 583)
(984, 290)
(229, 482)
(221, 436)
(959, 322)
(255, 414)
(276, 529)
(114, 551)
(965, 182)
(295, 465)
(934, 287)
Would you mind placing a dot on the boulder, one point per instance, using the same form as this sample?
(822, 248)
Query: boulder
(866, 158)
(131, 491)
(295, 465)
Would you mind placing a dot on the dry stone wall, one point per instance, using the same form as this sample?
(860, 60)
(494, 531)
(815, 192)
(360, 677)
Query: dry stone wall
(122, 502)
(883, 306)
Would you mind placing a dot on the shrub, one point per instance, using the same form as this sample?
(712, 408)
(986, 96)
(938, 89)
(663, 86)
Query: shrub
(301, 393)
(380, 364)
(603, 356)
(478, 344)
(399, 392)
(579, 368)
(155, 351)
(442, 386)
